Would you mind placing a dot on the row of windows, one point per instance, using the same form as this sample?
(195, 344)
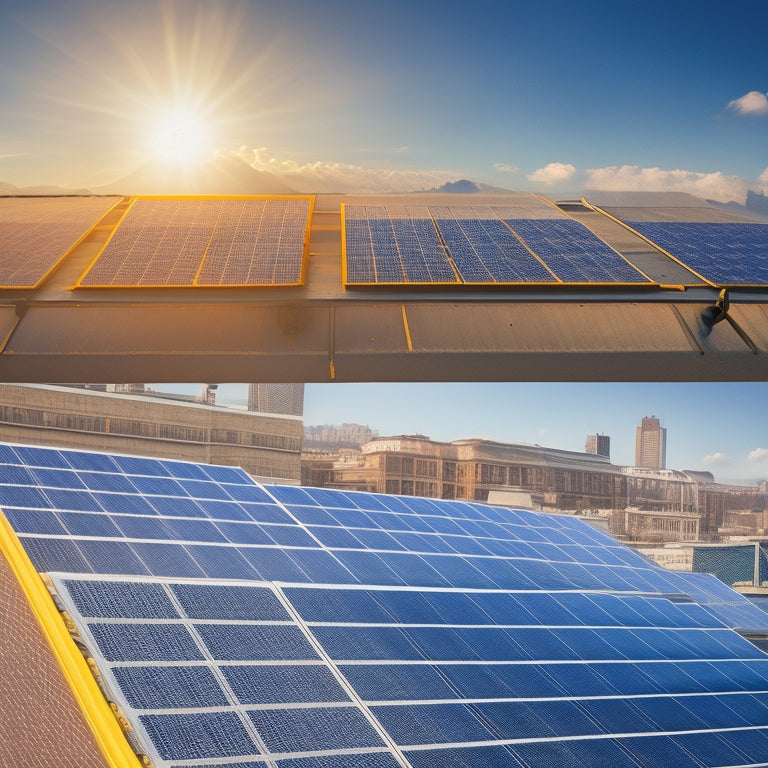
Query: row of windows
(147, 429)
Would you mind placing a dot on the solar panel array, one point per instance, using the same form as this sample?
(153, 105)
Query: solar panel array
(724, 253)
(37, 232)
(310, 628)
(528, 242)
(206, 242)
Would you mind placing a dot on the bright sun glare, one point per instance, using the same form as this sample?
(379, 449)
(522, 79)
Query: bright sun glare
(180, 136)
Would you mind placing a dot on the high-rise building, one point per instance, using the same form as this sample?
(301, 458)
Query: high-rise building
(651, 444)
(599, 444)
(285, 399)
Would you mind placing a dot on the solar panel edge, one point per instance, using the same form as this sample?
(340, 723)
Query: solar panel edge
(98, 715)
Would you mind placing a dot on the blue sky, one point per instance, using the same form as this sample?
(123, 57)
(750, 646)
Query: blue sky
(718, 427)
(552, 97)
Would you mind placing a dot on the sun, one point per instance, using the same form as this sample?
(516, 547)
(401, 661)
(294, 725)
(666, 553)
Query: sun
(180, 136)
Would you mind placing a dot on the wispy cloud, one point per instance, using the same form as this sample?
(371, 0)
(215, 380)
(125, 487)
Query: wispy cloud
(552, 173)
(752, 103)
(716, 460)
(504, 168)
(758, 455)
(324, 176)
(632, 178)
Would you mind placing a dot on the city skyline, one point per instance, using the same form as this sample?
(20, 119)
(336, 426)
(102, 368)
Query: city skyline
(716, 427)
(553, 98)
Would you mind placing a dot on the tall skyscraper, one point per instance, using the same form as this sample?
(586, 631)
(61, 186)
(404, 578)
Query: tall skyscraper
(598, 444)
(651, 444)
(285, 399)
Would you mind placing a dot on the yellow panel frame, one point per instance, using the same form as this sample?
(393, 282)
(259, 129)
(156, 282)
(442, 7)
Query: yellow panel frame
(195, 285)
(95, 708)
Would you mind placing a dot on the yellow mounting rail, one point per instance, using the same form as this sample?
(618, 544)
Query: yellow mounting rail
(96, 711)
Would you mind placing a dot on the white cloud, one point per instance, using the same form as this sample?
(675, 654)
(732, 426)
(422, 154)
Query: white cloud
(762, 181)
(632, 178)
(752, 103)
(716, 460)
(553, 172)
(758, 455)
(324, 176)
(504, 168)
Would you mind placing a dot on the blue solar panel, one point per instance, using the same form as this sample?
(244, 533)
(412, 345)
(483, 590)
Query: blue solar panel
(723, 253)
(388, 245)
(486, 251)
(495, 645)
(573, 252)
(483, 244)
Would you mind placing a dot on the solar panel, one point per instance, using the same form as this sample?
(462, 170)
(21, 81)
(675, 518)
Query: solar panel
(393, 244)
(184, 242)
(525, 242)
(727, 254)
(334, 643)
(36, 233)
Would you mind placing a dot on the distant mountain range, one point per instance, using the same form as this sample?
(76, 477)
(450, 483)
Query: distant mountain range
(12, 190)
(466, 187)
(221, 175)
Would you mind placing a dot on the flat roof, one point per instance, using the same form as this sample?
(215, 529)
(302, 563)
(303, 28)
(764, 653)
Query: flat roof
(323, 331)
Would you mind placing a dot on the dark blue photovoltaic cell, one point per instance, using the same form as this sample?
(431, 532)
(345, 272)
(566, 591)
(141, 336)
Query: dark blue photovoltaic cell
(284, 684)
(273, 564)
(255, 643)
(337, 605)
(55, 555)
(111, 557)
(432, 724)
(392, 682)
(356, 760)
(659, 750)
(723, 253)
(168, 560)
(145, 642)
(234, 603)
(305, 730)
(348, 643)
(486, 251)
(587, 753)
(195, 736)
(34, 521)
(573, 252)
(102, 481)
(170, 687)
(121, 600)
(382, 248)
(467, 757)
(219, 563)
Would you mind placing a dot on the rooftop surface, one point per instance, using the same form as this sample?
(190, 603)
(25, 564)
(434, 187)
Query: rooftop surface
(655, 328)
